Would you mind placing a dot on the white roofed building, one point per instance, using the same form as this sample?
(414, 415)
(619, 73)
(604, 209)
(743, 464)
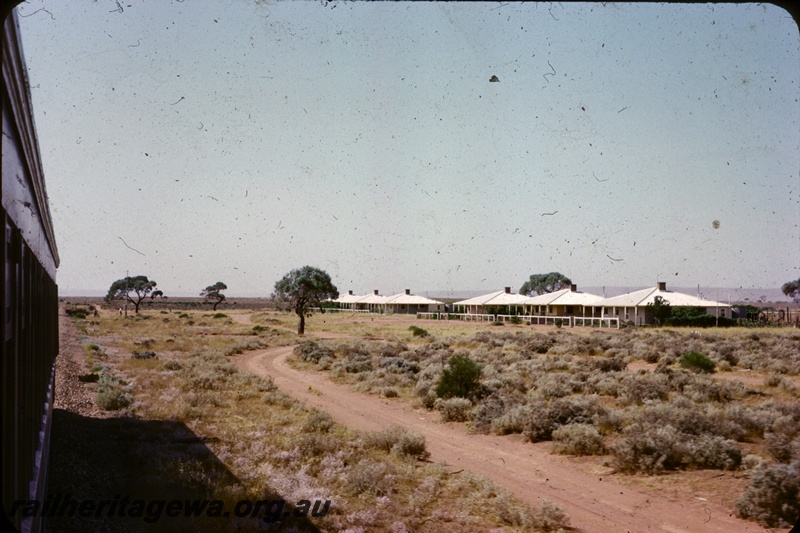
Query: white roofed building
(347, 301)
(566, 302)
(504, 298)
(374, 303)
(633, 306)
(405, 302)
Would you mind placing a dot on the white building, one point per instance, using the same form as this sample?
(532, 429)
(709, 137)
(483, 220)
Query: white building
(633, 306)
(405, 302)
(504, 298)
(566, 302)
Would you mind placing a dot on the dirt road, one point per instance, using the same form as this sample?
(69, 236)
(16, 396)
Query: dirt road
(594, 503)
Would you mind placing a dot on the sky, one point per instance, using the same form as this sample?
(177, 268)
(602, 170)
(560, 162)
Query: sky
(199, 141)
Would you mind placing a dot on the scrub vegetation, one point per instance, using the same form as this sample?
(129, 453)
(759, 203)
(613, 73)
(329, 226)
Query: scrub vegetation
(264, 444)
(650, 401)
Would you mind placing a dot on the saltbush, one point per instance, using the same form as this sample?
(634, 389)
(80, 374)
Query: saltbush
(486, 412)
(648, 449)
(453, 409)
(712, 451)
(542, 419)
(318, 422)
(782, 441)
(110, 395)
(773, 496)
(651, 448)
(369, 477)
(399, 441)
(609, 364)
(312, 352)
(399, 365)
(358, 363)
(578, 439)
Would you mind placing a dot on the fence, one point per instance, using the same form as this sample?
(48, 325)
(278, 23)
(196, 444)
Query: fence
(538, 320)
(611, 322)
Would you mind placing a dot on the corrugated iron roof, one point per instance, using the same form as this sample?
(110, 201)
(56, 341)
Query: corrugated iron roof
(495, 298)
(647, 296)
(410, 299)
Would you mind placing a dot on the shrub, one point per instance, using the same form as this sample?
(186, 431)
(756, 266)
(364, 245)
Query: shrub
(220, 315)
(638, 388)
(318, 422)
(369, 477)
(358, 364)
(454, 409)
(460, 379)
(110, 396)
(647, 449)
(712, 451)
(312, 352)
(486, 412)
(773, 496)
(556, 384)
(549, 517)
(314, 445)
(578, 439)
(513, 420)
(692, 418)
(697, 362)
(543, 419)
(782, 441)
(609, 364)
(398, 441)
(651, 448)
(418, 331)
(172, 365)
(399, 365)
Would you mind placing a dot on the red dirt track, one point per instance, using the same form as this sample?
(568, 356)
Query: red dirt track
(593, 502)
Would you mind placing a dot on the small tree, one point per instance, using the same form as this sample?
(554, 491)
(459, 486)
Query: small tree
(792, 290)
(131, 288)
(661, 309)
(545, 283)
(304, 289)
(460, 379)
(214, 292)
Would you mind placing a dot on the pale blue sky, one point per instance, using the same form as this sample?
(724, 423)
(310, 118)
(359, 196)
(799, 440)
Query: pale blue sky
(237, 140)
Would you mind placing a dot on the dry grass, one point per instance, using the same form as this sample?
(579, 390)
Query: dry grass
(272, 445)
(599, 391)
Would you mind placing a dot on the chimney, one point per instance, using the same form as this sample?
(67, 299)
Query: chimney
(408, 291)
(662, 285)
(508, 290)
(376, 292)
(350, 292)
(573, 288)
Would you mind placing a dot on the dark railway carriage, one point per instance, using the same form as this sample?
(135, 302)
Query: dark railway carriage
(28, 294)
